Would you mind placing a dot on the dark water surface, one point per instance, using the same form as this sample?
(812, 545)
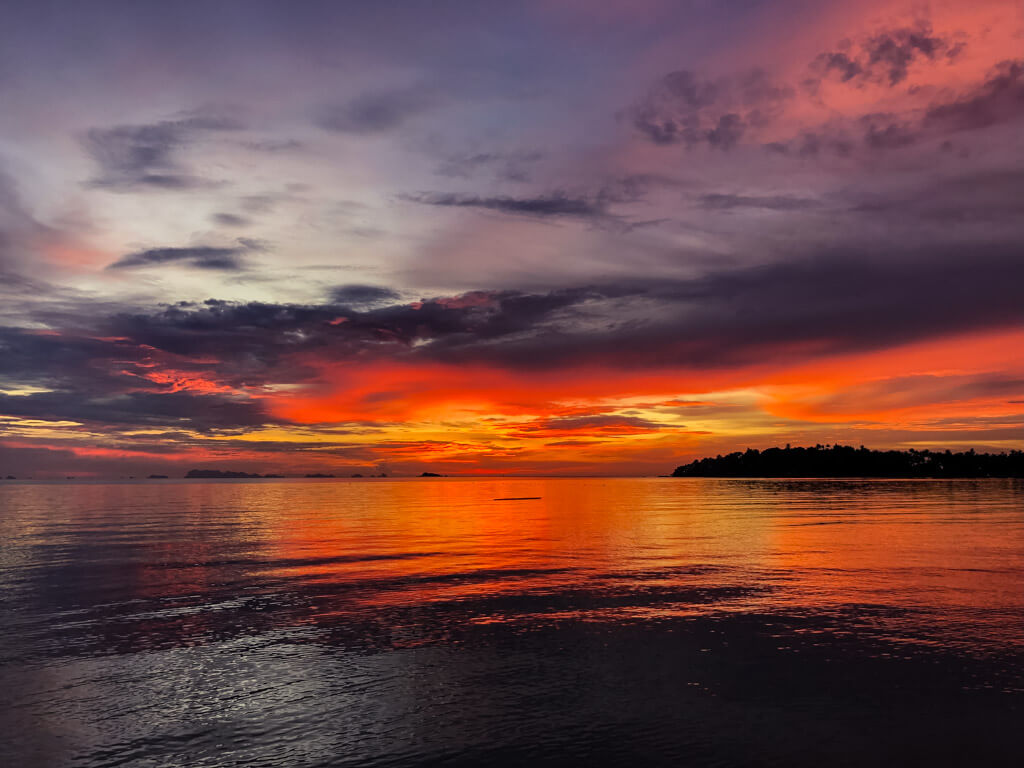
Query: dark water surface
(421, 622)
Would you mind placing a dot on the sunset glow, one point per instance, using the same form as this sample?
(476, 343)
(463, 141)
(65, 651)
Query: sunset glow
(521, 239)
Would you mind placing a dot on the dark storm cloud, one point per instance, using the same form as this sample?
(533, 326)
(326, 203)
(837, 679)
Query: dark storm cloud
(838, 302)
(251, 341)
(481, 316)
(133, 157)
(378, 111)
(255, 343)
(203, 412)
(553, 205)
(46, 359)
(843, 302)
(102, 380)
(108, 368)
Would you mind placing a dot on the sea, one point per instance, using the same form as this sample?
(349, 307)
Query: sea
(512, 622)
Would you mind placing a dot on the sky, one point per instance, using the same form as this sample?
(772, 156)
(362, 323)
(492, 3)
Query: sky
(478, 237)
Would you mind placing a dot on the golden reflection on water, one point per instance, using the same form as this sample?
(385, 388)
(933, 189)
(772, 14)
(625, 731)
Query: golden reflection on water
(898, 543)
(611, 548)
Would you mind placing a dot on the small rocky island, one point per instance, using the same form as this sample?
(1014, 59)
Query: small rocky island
(847, 461)
(206, 474)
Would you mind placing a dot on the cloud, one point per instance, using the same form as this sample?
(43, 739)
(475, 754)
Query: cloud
(840, 64)
(362, 295)
(600, 424)
(208, 366)
(728, 202)
(908, 392)
(274, 145)
(231, 220)
(884, 57)
(987, 197)
(133, 157)
(377, 112)
(201, 256)
(727, 132)
(114, 380)
(552, 205)
(16, 226)
(887, 131)
(1000, 98)
(592, 206)
(27, 248)
(201, 412)
(835, 302)
(685, 108)
(505, 166)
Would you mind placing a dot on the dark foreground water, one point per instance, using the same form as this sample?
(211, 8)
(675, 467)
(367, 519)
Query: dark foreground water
(423, 622)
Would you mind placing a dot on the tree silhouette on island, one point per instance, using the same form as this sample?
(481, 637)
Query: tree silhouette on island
(847, 461)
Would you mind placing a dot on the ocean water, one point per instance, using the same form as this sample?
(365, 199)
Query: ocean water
(684, 622)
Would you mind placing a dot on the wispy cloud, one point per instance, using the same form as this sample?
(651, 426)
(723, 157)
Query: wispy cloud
(136, 157)
(556, 204)
(200, 257)
(381, 111)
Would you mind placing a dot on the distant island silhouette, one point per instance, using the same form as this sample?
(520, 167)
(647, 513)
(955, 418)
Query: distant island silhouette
(195, 474)
(847, 461)
(431, 474)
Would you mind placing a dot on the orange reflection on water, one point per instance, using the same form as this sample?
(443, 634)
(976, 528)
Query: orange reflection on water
(923, 558)
(801, 543)
(950, 543)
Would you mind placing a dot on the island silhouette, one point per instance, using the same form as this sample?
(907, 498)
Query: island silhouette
(847, 461)
(195, 474)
